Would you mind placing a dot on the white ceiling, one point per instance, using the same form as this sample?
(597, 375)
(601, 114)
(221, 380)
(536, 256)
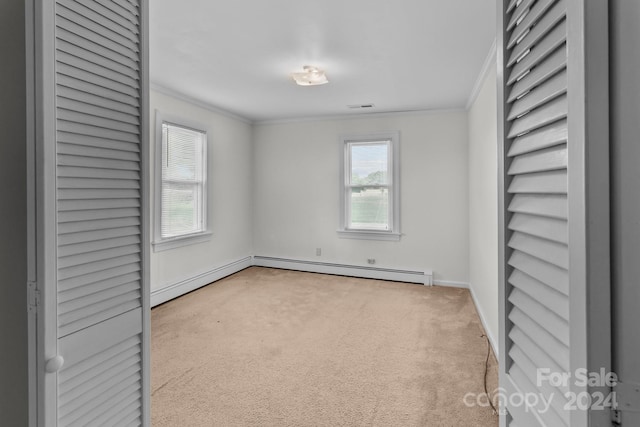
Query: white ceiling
(400, 55)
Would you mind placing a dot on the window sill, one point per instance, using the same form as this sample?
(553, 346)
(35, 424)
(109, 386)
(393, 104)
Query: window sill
(177, 242)
(369, 235)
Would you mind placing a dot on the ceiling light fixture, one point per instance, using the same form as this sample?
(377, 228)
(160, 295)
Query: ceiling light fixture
(311, 76)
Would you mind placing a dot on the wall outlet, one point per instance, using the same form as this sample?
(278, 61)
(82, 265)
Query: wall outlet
(371, 261)
(318, 251)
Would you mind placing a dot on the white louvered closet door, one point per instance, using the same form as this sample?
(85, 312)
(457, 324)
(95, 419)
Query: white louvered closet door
(96, 357)
(546, 190)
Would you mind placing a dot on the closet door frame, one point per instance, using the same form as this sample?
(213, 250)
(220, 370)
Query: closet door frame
(589, 209)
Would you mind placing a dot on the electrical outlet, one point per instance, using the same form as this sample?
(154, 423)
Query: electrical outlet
(371, 260)
(318, 251)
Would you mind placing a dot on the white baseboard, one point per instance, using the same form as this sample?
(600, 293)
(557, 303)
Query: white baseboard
(451, 284)
(422, 277)
(492, 339)
(167, 293)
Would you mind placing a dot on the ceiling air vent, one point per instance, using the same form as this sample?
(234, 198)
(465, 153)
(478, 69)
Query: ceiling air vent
(359, 106)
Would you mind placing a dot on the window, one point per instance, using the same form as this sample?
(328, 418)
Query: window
(369, 187)
(181, 181)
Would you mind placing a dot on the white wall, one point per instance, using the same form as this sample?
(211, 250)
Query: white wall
(296, 193)
(13, 217)
(229, 198)
(483, 204)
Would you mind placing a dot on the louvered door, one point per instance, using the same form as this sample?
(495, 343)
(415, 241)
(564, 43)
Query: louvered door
(546, 193)
(96, 357)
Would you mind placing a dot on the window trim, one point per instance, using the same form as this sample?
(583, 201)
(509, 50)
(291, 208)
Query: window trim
(159, 243)
(393, 234)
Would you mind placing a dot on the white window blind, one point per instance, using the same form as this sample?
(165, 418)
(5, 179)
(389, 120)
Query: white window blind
(183, 205)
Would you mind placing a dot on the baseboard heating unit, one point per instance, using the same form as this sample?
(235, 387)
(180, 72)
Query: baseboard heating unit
(422, 277)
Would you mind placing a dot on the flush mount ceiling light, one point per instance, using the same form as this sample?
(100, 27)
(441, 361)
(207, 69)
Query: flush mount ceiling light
(311, 76)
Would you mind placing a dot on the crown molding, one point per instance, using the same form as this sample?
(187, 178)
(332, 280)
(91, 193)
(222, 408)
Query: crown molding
(198, 103)
(489, 61)
(359, 116)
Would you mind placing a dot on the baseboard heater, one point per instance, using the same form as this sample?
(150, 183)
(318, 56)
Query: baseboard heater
(421, 277)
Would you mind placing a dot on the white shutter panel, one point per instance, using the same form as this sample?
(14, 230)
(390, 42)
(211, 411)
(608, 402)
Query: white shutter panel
(539, 228)
(537, 159)
(100, 307)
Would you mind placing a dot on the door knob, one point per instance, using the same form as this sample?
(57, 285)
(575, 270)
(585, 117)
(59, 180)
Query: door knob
(54, 364)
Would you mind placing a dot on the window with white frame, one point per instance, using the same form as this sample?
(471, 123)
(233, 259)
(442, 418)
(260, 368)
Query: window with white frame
(369, 187)
(181, 182)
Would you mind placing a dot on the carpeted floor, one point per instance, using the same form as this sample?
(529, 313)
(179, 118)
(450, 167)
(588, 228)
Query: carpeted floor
(268, 347)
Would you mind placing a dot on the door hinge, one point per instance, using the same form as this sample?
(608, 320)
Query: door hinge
(34, 296)
(616, 417)
(626, 398)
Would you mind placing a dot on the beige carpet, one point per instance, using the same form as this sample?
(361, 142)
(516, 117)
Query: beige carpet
(269, 347)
